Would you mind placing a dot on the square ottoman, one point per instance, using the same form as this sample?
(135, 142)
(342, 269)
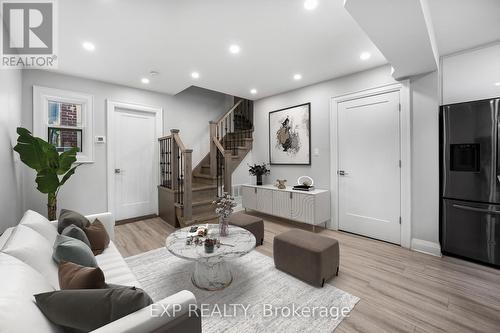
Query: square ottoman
(251, 223)
(309, 257)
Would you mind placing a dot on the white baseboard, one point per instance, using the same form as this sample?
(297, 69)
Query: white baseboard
(420, 245)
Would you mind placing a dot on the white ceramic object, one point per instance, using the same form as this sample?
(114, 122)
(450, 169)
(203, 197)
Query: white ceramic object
(309, 181)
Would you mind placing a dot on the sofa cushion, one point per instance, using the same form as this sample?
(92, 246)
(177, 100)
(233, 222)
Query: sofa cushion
(74, 276)
(115, 268)
(68, 217)
(75, 232)
(40, 224)
(18, 310)
(98, 236)
(88, 309)
(4, 237)
(73, 250)
(35, 250)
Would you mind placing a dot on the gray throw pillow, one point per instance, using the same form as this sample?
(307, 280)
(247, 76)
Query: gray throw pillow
(68, 217)
(88, 309)
(75, 232)
(73, 250)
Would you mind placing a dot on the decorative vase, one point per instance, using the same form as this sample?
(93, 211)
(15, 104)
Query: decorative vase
(209, 245)
(223, 226)
(259, 179)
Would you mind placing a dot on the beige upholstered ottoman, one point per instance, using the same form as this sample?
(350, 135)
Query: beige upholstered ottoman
(307, 256)
(251, 223)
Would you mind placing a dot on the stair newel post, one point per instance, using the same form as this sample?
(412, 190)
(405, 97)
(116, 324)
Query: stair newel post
(213, 148)
(174, 163)
(188, 183)
(228, 186)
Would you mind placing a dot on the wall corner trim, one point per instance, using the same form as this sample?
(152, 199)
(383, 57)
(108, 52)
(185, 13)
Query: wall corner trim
(423, 246)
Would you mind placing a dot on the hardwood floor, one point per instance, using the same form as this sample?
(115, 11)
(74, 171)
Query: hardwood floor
(400, 290)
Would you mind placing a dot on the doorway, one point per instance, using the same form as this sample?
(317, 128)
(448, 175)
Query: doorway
(133, 132)
(371, 168)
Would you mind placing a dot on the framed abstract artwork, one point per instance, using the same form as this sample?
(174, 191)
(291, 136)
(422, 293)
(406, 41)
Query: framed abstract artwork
(290, 135)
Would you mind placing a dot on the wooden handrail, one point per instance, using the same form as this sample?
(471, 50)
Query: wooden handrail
(177, 138)
(218, 145)
(225, 115)
(165, 137)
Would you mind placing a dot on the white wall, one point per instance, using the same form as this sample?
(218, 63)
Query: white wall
(190, 111)
(425, 157)
(319, 95)
(10, 175)
(471, 75)
(425, 172)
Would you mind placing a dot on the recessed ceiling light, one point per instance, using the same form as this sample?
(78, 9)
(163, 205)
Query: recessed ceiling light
(88, 46)
(195, 75)
(145, 80)
(153, 73)
(497, 84)
(365, 56)
(310, 4)
(297, 77)
(234, 49)
(253, 91)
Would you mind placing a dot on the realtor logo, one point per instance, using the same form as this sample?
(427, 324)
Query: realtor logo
(28, 34)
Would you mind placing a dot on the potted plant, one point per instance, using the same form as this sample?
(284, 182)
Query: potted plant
(259, 170)
(52, 169)
(209, 245)
(224, 208)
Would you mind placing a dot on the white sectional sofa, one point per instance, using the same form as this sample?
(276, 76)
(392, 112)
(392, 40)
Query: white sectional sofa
(27, 268)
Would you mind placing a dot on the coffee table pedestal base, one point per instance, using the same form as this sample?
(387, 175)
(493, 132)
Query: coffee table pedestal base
(211, 275)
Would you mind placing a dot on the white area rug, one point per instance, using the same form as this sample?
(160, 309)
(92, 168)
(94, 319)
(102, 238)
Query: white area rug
(268, 295)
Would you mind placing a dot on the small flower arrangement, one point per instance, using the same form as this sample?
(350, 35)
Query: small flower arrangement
(259, 169)
(224, 205)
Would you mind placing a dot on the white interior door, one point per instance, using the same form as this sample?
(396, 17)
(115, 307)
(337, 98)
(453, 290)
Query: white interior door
(369, 172)
(134, 163)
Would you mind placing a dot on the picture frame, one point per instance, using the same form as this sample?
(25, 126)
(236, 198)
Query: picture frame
(290, 135)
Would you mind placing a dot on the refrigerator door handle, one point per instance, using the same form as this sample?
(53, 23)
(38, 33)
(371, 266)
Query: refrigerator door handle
(479, 210)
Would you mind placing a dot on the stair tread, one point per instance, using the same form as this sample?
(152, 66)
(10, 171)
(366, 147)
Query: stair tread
(203, 202)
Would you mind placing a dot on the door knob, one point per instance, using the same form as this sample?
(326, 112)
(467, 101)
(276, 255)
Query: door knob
(341, 173)
(118, 170)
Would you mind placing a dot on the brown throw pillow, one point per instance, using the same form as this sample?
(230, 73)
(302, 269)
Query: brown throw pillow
(85, 310)
(98, 236)
(73, 276)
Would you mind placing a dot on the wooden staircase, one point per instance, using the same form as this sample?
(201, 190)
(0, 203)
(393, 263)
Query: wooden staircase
(185, 195)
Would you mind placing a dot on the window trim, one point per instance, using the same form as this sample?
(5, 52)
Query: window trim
(41, 98)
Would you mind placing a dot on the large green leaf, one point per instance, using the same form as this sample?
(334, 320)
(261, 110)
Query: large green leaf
(47, 181)
(68, 174)
(29, 150)
(52, 156)
(66, 160)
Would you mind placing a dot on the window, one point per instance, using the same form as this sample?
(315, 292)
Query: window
(64, 119)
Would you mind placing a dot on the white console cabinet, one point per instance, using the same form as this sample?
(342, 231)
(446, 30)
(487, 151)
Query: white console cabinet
(311, 207)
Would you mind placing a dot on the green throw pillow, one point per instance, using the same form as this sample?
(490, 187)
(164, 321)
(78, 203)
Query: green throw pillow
(88, 309)
(68, 217)
(75, 232)
(73, 250)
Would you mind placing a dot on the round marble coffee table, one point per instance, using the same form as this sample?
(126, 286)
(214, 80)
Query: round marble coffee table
(211, 269)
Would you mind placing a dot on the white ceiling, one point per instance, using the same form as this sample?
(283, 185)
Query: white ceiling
(464, 24)
(278, 38)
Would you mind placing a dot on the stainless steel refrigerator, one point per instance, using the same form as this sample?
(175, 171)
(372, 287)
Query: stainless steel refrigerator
(470, 180)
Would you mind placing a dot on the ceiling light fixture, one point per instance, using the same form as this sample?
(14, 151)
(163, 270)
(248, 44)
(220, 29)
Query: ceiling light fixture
(234, 49)
(88, 46)
(297, 77)
(365, 56)
(253, 91)
(310, 4)
(145, 80)
(195, 75)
